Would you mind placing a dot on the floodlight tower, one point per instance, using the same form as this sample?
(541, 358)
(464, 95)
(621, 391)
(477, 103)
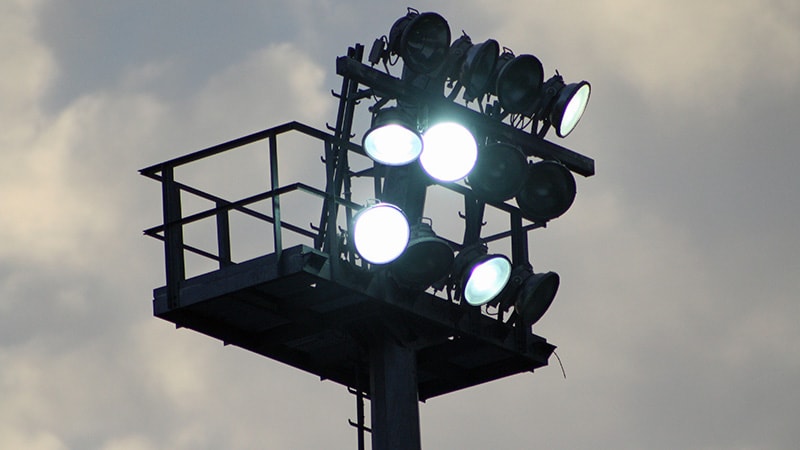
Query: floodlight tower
(377, 300)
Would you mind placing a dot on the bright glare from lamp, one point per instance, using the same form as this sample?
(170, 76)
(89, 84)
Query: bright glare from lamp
(392, 144)
(449, 151)
(380, 233)
(486, 280)
(574, 110)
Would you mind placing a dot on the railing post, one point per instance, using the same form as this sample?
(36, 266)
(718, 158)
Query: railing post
(223, 235)
(173, 236)
(276, 201)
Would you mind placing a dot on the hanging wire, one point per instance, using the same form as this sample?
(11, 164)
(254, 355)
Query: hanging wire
(560, 364)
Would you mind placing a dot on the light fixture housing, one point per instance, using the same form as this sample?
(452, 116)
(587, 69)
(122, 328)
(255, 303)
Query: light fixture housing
(393, 139)
(535, 296)
(426, 260)
(548, 192)
(421, 39)
(472, 66)
(518, 82)
(478, 68)
(499, 173)
(449, 151)
(531, 294)
(570, 104)
(380, 233)
(482, 277)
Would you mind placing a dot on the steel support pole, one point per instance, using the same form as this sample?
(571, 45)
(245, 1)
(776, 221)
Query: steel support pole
(394, 401)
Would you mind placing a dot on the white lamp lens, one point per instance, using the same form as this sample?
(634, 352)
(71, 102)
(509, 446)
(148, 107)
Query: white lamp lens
(449, 151)
(574, 110)
(380, 233)
(393, 145)
(486, 280)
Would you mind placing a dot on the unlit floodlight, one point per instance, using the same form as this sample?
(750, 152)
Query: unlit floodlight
(519, 82)
(531, 294)
(499, 172)
(422, 40)
(548, 192)
(426, 260)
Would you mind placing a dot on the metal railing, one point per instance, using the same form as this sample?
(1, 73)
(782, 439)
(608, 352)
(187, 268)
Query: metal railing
(171, 231)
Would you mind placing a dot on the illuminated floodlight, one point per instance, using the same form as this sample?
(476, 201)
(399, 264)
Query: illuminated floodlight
(449, 151)
(487, 278)
(569, 107)
(380, 233)
(421, 39)
(393, 139)
(482, 276)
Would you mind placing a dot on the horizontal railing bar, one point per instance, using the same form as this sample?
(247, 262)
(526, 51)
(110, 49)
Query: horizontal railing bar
(239, 206)
(186, 247)
(152, 171)
(241, 209)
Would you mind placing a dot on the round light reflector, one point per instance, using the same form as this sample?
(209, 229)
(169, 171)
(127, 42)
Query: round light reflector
(487, 278)
(569, 107)
(392, 144)
(380, 233)
(449, 151)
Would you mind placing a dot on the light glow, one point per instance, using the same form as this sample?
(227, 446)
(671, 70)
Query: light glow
(392, 144)
(486, 280)
(449, 151)
(574, 110)
(380, 233)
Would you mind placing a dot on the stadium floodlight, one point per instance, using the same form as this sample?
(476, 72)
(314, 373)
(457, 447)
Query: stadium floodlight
(569, 106)
(518, 82)
(393, 139)
(380, 233)
(471, 66)
(481, 276)
(426, 260)
(449, 151)
(499, 172)
(548, 192)
(531, 294)
(421, 39)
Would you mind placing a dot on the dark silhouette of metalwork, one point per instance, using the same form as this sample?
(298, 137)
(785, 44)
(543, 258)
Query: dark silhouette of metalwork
(317, 306)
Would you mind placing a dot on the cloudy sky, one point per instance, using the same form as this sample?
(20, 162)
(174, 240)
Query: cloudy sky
(678, 318)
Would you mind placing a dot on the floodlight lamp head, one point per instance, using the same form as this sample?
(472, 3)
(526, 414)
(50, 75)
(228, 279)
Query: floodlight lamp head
(548, 192)
(421, 39)
(449, 151)
(426, 260)
(393, 139)
(451, 69)
(518, 82)
(531, 294)
(481, 276)
(535, 296)
(569, 106)
(499, 172)
(478, 67)
(380, 233)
